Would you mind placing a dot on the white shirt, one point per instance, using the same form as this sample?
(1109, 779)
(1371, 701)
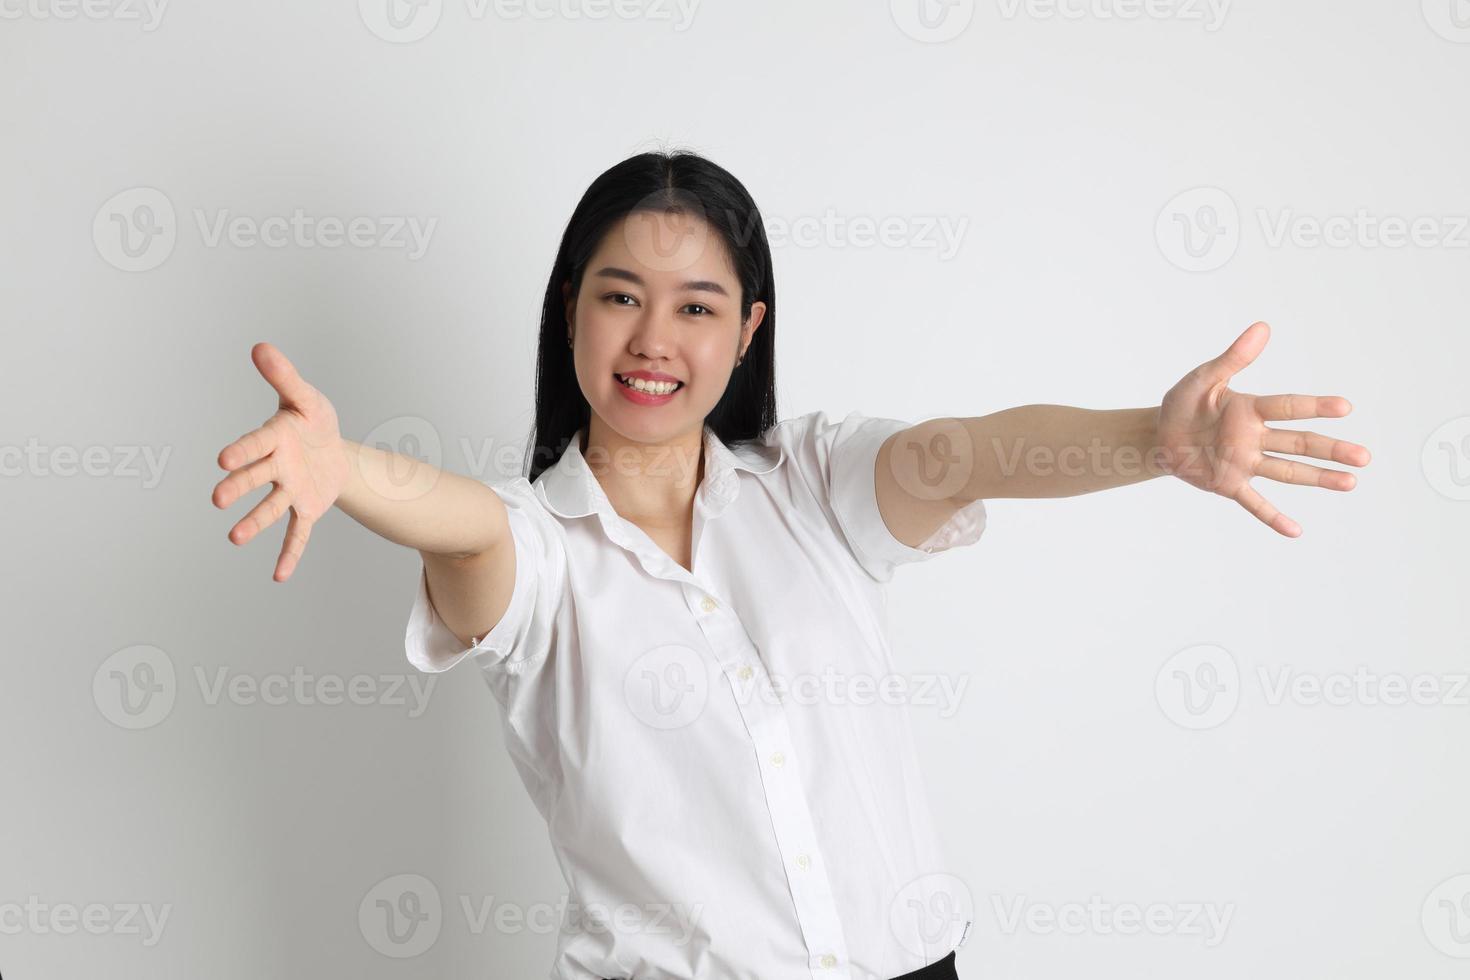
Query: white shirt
(706, 827)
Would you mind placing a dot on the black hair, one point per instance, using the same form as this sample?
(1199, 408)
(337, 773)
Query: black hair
(677, 182)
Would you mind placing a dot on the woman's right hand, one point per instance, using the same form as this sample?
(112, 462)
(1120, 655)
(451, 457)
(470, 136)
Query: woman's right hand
(299, 449)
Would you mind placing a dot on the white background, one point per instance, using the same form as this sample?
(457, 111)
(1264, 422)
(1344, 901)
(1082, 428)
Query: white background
(1059, 138)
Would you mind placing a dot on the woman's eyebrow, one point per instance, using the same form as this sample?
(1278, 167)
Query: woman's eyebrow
(697, 285)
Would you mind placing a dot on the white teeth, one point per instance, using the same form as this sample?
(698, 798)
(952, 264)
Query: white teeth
(651, 387)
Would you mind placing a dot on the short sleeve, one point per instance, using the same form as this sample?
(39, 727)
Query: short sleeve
(523, 634)
(838, 459)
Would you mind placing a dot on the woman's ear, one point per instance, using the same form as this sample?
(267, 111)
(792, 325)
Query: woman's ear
(757, 314)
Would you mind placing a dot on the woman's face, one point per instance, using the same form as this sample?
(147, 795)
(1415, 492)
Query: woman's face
(659, 299)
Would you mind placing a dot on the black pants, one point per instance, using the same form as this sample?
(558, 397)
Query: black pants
(938, 970)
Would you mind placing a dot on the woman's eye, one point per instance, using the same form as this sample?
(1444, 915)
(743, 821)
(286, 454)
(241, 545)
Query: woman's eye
(616, 297)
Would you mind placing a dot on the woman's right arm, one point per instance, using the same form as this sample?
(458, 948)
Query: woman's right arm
(459, 526)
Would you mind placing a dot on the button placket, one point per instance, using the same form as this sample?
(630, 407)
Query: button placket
(780, 773)
(791, 818)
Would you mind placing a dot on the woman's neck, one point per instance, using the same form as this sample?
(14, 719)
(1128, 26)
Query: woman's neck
(646, 482)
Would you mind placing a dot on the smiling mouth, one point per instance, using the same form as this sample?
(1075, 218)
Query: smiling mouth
(625, 382)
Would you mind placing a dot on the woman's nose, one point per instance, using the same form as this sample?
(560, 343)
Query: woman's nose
(654, 337)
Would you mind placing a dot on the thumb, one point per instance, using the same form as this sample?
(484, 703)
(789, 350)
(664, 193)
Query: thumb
(1238, 355)
(281, 374)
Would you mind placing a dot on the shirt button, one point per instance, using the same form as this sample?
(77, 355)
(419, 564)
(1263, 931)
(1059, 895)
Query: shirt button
(803, 862)
(778, 759)
(829, 961)
(708, 604)
(745, 673)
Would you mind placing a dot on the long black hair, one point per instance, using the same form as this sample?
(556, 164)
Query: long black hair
(678, 182)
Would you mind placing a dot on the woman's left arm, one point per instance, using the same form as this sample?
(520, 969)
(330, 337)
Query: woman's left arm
(1203, 432)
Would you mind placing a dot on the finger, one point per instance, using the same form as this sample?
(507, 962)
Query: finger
(261, 516)
(282, 374)
(1275, 408)
(1265, 513)
(297, 531)
(242, 481)
(1316, 445)
(1303, 474)
(248, 448)
(1237, 356)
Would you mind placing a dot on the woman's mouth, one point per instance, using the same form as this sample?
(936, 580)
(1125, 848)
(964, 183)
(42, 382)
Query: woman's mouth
(645, 392)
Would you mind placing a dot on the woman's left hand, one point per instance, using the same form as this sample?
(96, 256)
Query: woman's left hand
(1217, 439)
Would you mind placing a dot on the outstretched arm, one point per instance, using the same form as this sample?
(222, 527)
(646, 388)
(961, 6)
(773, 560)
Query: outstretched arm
(1202, 432)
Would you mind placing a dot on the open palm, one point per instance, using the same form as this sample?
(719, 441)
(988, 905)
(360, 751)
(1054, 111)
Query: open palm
(299, 449)
(1215, 438)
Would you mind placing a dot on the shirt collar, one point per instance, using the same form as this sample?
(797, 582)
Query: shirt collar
(571, 490)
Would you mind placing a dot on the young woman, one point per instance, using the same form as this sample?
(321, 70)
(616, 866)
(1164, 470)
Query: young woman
(653, 605)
